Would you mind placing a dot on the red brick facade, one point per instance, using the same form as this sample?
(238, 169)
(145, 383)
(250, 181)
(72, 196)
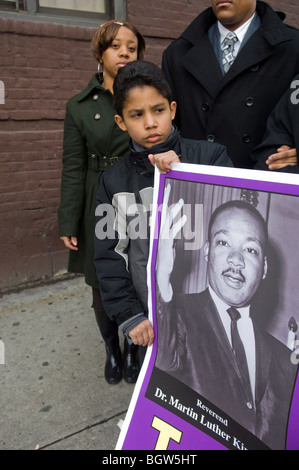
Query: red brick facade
(42, 66)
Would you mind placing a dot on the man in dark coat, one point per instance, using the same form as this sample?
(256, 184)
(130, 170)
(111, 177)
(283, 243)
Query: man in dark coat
(282, 129)
(231, 107)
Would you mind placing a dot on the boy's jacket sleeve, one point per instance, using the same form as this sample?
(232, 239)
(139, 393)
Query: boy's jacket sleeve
(119, 297)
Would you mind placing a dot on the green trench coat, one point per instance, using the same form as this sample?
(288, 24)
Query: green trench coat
(91, 142)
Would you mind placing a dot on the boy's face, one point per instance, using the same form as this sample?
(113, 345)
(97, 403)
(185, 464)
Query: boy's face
(147, 116)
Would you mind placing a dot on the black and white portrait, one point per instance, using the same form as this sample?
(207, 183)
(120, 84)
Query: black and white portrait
(226, 300)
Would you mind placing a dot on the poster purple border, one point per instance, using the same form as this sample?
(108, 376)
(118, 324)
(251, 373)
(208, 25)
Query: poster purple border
(149, 426)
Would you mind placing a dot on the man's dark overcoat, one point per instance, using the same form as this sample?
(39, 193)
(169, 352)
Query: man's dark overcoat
(282, 129)
(233, 109)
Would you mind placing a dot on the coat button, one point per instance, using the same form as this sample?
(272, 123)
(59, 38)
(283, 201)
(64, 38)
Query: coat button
(254, 68)
(93, 155)
(97, 117)
(211, 138)
(249, 102)
(95, 97)
(246, 138)
(249, 405)
(205, 107)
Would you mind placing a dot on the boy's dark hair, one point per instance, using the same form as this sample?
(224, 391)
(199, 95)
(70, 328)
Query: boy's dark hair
(138, 74)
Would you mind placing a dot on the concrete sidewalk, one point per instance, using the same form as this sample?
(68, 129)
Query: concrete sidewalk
(52, 389)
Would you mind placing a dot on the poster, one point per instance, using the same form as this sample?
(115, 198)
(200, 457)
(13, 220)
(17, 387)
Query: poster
(191, 393)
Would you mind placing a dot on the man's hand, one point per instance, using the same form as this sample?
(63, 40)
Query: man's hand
(164, 160)
(70, 242)
(143, 334)
(169, 228)
(285, 156)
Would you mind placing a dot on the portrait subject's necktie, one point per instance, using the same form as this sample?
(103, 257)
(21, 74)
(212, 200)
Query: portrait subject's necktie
(239, 351)
(227, 48)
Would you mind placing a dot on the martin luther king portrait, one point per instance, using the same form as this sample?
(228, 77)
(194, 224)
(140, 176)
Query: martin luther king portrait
(211, 341)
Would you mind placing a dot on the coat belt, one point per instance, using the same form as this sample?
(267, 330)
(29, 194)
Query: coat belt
(97, 163)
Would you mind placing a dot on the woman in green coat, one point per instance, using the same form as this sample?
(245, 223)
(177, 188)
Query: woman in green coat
(92, 143)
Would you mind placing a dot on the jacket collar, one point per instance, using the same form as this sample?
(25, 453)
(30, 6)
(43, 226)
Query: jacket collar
(95, 84)
(139, 155)
(143, 167)
(199, 27)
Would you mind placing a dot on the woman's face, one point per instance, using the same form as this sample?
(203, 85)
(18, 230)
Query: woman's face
(123, 49)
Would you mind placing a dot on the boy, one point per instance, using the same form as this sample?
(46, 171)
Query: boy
(142, 100)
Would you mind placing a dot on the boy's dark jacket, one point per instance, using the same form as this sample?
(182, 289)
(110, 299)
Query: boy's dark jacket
(123, 211)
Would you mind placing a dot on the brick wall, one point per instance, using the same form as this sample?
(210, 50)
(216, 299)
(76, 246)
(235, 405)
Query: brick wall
(42, 65)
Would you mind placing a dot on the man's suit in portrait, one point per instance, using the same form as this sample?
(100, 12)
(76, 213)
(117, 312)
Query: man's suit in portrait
(195, 349)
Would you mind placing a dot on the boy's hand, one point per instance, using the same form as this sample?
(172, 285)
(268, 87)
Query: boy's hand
(70, 242)
(143, 334)
(285, 156)
(164, 160)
